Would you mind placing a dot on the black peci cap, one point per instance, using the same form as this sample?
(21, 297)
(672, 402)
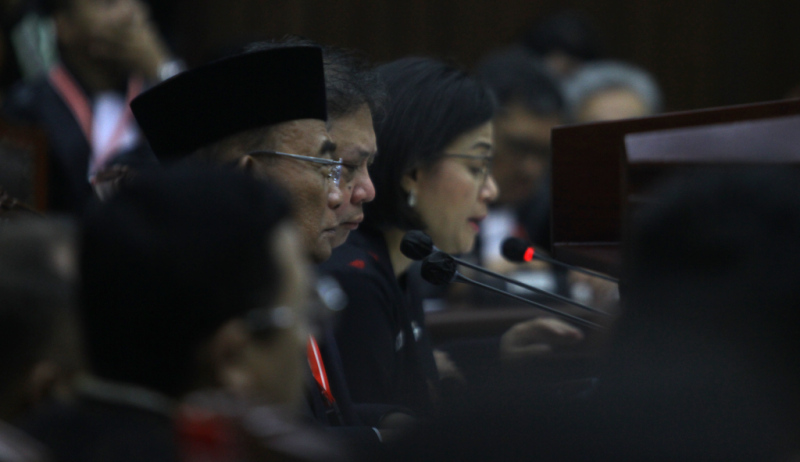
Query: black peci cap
(242, 92)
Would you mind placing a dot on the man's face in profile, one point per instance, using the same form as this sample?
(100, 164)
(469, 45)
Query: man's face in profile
(356, 145)
(314, 197)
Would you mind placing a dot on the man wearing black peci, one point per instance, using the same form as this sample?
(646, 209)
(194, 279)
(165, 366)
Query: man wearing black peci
(264, 112)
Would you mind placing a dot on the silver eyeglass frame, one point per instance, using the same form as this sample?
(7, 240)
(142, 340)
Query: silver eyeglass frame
(335, 174)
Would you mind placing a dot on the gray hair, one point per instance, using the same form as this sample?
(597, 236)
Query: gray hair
(601, 76)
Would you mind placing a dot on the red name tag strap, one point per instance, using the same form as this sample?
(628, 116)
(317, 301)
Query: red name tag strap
(81, 107)
(318, 370)
(75, 99)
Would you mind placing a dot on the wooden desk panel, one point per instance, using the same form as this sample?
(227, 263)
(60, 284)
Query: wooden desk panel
(589, 178)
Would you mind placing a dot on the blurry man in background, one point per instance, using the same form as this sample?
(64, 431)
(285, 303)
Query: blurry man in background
(564, 42)
(530, 106)
(611, 90)
(110, 51)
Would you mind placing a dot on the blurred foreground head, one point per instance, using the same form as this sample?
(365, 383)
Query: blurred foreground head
(39, 348)
(704, 350)
(171, 261)
(703, 365)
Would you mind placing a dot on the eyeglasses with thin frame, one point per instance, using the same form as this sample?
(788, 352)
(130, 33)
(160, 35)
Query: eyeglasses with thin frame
(335, 173)
(481, 172)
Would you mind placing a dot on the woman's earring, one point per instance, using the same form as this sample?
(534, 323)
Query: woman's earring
(412, 198)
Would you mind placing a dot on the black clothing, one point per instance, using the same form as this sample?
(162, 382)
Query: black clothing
(91, 430)
(385, 350)
(354, 423)
(345, 421)
(39, 104)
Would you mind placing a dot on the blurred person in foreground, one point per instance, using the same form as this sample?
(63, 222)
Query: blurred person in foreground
(701, 365)
(109, 52)
(192, 279)
(40, 356)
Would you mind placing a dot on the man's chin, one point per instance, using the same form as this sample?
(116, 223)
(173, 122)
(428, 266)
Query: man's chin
(324, 246)
(320, 255)
(340, 237)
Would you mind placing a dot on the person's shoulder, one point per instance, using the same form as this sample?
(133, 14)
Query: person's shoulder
(15, 446)
(360, 254)
(83, 428)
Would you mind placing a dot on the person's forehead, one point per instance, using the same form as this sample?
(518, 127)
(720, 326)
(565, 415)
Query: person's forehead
(479, 139)
(354, 134)
(307, 135)
(301, 128)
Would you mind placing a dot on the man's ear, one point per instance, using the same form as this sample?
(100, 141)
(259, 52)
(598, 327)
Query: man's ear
(247, 164)
(409, 181)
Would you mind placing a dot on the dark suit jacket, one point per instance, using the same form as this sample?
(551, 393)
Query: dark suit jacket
(94, 431)
(39, 104)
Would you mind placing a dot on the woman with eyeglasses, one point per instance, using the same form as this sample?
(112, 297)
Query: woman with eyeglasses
(432, 173)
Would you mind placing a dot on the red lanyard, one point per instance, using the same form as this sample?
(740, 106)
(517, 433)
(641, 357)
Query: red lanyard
(318, 370)
(81, 108)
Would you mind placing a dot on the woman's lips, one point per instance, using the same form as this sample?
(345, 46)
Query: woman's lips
(475, 223)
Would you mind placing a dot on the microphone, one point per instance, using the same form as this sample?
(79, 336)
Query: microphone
(517, 250)
(416, 245)
(440, 268)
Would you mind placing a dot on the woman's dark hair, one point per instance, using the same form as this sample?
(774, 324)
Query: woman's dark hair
(430, 103)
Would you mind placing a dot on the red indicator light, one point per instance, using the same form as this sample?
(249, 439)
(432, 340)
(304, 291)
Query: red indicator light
(528, 254)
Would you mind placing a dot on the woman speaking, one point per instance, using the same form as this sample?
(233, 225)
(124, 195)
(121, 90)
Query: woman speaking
(432, 173)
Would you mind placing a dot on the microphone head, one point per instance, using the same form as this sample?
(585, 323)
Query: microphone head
(517, 250)
(439, 268)
(416, 245)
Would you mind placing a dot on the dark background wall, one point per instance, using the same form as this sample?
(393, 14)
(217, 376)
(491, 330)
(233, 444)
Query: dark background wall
(704, 52)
